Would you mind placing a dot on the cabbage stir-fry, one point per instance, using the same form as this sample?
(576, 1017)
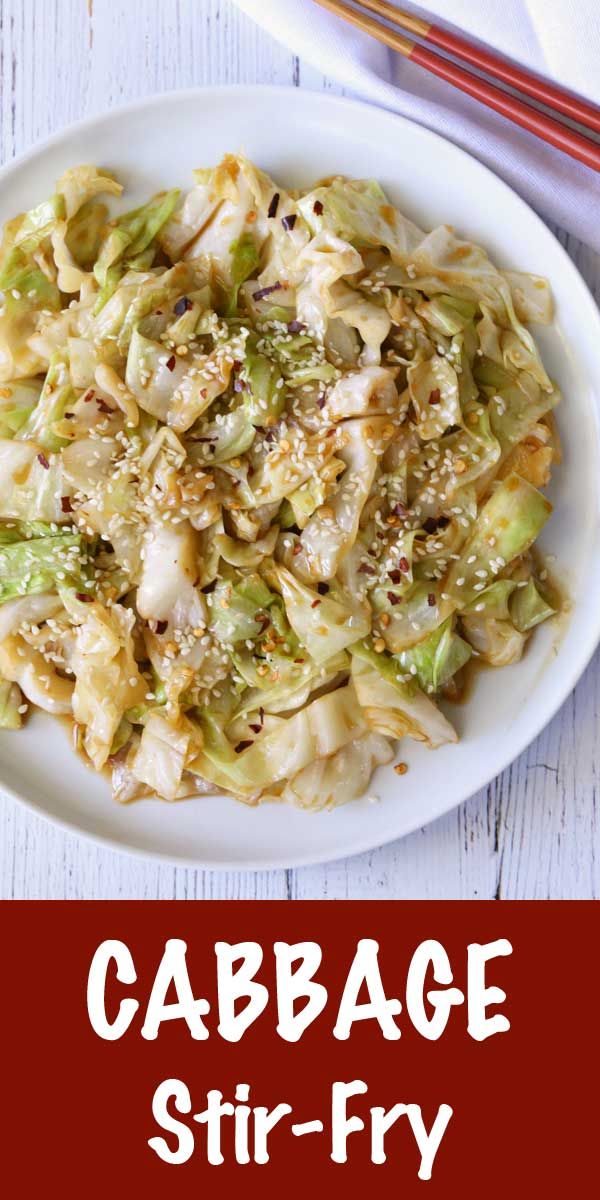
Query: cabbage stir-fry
(270, 477)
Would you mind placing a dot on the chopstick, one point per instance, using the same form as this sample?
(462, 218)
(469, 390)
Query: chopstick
(518, 111)
(517, 77)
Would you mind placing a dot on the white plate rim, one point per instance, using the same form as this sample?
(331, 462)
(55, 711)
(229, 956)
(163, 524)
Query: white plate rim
(579, 661)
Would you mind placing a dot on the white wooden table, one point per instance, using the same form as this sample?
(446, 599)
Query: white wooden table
(535, 831)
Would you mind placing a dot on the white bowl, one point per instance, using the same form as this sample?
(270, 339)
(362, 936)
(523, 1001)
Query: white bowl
(299, 136)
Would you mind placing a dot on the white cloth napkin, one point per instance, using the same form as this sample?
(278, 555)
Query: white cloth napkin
(558, 38)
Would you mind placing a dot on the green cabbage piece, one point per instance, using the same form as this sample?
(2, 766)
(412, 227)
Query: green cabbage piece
(85, 231)
(340, 777)
(497, 642)
(507, 525)
(24, 236)
(156, 292)
(27, 288)
(393, 703)
(141, 225)
(30, 489)
(19, 315)
(528, 607)
(246, 554)
(122, 736)
(21, 531)
(296, 677)
(55, 396)
(265, 400)
(516, 409)
(244, 262)
(447, 315)
(129, 243)
(358, 211)
(494, 600)
(218, 442)
(325, 624)
(40, 564)
(289, 669)
(160, 758)
(236, 609)
(425, 378)
(303, 502)
(285, 746)
(107, 678)
(421, 612)
(17, 405)
(437, 658)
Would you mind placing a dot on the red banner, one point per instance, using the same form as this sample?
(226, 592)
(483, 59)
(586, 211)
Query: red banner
(377, 1044)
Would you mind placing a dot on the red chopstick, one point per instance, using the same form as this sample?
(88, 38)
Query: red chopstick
(517, 77)
(516, 110)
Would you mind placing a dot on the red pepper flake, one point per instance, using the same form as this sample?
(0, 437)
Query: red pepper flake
(366, 569)
(170, 363)
(65, 504)
(321, 402)
(318, 207)
(297, 549)
(89, 395)
(243, 745)
(404, 564)
(266, 291)
(255, 728)
(393, 598)
(435, 396)
(432, 524)
(182, 306)
(299, 660)
(103, 406)
(161, 626)
(315, 603)
(43, 461)
(84, 597)
(261, 715)
(395, 575)
(296, 326)
(431, 599)
(273, 206)
(289, 221)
